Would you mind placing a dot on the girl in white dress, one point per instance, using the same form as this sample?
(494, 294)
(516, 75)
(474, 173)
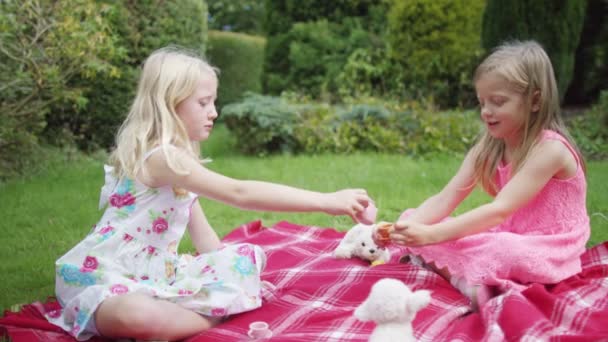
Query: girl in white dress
(125, 279)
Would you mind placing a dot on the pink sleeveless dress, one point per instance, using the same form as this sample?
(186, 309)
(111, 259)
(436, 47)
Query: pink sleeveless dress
(540, 243)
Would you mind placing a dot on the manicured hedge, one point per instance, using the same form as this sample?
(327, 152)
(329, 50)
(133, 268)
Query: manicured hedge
(240, 58)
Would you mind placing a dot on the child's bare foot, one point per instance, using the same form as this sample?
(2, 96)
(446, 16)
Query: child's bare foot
(479, 295)
(414, 259)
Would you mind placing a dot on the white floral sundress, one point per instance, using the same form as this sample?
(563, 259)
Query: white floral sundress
(133, 248)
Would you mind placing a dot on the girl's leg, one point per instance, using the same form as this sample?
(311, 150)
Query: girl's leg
(416, 260)
(143, 317)
(478, 294)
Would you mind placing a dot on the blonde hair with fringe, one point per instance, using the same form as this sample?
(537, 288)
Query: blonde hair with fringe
(527, 69)
(169, 75)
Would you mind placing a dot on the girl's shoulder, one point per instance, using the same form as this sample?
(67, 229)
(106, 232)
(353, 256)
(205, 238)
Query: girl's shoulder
(549, 137)
(553, 145)
(550, 134)
(164, 164)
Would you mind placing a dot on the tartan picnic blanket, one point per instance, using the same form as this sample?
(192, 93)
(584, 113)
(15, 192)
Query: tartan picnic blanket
(311, 296)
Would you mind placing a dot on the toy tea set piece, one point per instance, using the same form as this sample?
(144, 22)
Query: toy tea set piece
(368, 216)
(382, 234)
(259, 330)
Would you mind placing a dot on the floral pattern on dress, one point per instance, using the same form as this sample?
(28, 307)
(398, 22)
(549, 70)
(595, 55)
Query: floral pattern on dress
(105, 233)
(72, 275)
(123, 199)
(133, 248)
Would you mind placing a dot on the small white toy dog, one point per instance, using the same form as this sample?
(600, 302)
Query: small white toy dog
(358, 242)
(393, 307)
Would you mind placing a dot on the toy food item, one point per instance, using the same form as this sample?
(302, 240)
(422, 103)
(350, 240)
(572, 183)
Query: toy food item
(378, 262)
(383, 233)
(368, 216)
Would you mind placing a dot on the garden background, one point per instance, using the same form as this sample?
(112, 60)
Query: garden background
(316, 94)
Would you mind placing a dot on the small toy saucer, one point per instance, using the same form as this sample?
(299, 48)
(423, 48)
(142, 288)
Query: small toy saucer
(266, 334)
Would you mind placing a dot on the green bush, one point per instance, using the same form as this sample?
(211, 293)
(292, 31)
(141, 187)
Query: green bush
(369, 71)
(240, 58)
(264, 124)
(318, 52)
(137, 28)
(69, 67)
(436, 44)
(158, 23)
(590, 74)
(556, 25)
(244, 16)
(281, 16)
(46, 48)
(590, 130)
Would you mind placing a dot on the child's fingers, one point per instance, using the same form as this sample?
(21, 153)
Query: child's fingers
(401, 225)
(358, 208)
(364, 199)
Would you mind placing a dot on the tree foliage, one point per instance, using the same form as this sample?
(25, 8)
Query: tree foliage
(69, 67)
(44, 46)
(245, 16)
(555, 24)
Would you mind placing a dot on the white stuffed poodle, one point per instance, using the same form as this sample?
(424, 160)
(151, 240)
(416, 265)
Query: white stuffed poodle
(358, 242)
(392, 306)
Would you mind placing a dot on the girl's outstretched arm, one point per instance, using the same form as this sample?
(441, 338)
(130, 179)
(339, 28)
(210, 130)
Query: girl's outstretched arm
(548, 159)
(442, 204)
(251, 195)
(203, 236)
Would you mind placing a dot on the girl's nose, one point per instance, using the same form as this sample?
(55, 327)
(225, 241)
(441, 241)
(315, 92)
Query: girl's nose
(485, 112)
(213, 114)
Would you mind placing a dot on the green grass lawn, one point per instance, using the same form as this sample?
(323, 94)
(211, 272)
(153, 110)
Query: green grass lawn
(44, 215)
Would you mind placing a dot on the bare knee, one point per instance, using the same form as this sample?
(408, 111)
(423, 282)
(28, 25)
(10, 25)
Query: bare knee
(132, 315)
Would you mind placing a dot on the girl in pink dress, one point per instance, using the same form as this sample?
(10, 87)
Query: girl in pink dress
(126, 279)
(537, 226)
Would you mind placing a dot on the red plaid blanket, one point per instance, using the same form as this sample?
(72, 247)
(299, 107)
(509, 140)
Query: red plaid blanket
(314, 296)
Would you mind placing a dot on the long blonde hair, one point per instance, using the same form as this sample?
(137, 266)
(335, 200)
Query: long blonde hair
(528, 70)
(169, 75)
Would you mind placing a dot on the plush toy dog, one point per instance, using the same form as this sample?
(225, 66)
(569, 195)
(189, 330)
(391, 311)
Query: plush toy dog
(358, 242)
(392, 306)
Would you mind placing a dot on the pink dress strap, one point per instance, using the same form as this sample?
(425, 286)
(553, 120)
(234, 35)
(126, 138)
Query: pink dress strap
(549, 134)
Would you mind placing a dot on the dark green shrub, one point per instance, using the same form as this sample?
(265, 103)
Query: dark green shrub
(46, 48)
(362, 112)
(281, 16)
(245, 16)
(158, 23)
(556, 25)
(436, 44)
(590, 129)
(240, 58)
(317, 53)
(137, 29)
(590, 74)
(262, 124)
(444, 132)
(370, 72)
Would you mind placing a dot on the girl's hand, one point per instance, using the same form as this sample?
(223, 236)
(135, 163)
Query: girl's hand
(381, 234)
(413, 234)
(346, 202)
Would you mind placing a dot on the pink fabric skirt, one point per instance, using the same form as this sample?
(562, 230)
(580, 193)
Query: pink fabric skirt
(505, 259)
